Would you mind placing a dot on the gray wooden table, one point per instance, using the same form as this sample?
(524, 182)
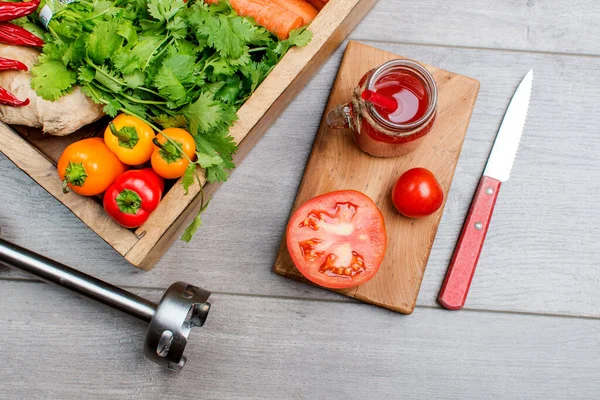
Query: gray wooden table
(530, 328)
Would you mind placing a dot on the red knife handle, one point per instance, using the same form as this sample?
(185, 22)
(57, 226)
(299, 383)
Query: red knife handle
(466, 254)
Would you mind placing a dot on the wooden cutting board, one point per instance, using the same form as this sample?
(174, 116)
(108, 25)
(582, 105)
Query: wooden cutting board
(336, 163)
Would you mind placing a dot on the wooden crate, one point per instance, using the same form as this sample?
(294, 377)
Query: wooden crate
(37, 155)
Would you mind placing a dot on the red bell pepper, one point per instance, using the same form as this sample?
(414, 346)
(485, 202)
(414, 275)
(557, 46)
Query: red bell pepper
(133, 197)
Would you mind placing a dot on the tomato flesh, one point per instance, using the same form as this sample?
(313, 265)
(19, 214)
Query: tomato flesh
(337, 240)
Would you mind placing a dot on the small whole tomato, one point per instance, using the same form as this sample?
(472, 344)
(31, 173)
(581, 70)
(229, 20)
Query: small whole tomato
(167, 161)
(88, 167)
(130, 139)
(417, 193)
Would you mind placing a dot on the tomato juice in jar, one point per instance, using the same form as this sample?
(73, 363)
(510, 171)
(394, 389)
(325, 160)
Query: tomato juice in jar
(392, 109)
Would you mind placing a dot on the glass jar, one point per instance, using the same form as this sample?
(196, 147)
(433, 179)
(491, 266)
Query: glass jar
(376, 134)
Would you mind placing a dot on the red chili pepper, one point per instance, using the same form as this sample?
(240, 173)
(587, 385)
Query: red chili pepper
(9, 99)
(11, 65)
(133, 197)
(10, 11)
(15, 35)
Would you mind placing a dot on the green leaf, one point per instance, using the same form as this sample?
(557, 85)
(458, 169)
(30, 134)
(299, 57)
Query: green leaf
(219, 143)
(176, 121)
(134, 108)
(51, 80)
(184, 48)
(109, 79)
(177, 27)
(194, 225)
(137, 58)
(222, 67)
(181, 65)
(169, 86)
(225, 40)
(298, 37)
(188, 177)
(112, 108)
(86, 74)
(250, 32)
(216, 30)
(206, 114)
(256, 72)
(206, 161)
(31, 27)
(127, 32)
(164, 10)
(77, 49)
(189, 232)
(104, 41)
(134, 80)
(230, 91)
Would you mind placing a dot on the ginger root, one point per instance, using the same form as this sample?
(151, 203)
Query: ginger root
(59, 118)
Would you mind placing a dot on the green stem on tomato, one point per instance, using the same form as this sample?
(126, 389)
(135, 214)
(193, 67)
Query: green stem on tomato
(127, 136)
(129, 202)
(75, 174)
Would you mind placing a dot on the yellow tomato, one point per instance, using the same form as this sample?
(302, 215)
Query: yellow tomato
(130, 139)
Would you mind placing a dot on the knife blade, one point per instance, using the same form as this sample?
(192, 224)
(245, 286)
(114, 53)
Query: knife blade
(455, 288)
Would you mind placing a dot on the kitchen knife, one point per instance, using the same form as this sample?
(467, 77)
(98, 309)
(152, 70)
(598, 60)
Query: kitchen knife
(497, 170)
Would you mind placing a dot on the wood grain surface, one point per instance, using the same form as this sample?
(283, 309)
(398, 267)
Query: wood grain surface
(263, 189)
(530, 326)
(265, 348)
(336, 163)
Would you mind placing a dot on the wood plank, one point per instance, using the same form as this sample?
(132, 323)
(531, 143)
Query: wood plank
(397, 283)
(53, 146)
(254, 347)
(530, 25)
(538, 257)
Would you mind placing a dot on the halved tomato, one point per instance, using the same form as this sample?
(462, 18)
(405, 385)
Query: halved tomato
(337, 240)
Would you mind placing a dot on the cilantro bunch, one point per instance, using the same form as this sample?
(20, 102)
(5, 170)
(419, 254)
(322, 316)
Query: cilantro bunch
(170, 63)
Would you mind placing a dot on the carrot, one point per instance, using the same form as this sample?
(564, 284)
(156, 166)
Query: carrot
(300, 7)
(267, 13)
(318, 4)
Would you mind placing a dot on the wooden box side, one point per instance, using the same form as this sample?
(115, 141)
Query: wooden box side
(37, 155)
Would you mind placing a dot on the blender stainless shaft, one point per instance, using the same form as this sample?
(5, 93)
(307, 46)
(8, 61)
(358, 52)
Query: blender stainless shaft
(51, 271)
(182, 307)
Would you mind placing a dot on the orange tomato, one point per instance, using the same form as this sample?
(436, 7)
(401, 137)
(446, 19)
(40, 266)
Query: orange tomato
(130, 139)
(167, 161)
(88, 167)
